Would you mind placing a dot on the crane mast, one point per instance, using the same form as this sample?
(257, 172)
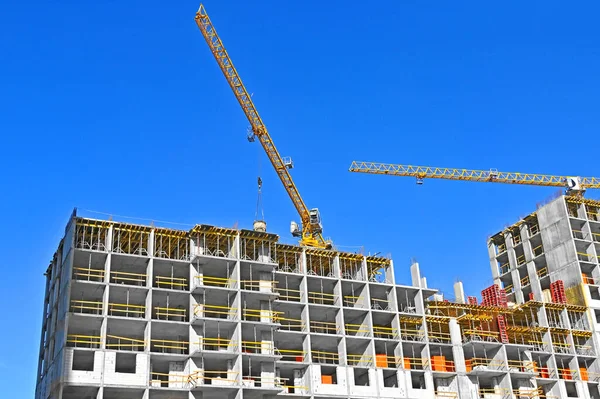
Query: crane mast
(311, 221)
(574, 185)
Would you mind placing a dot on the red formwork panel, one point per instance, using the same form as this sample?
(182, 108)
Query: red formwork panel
(472, 300)
(493, 296)
(557, 290)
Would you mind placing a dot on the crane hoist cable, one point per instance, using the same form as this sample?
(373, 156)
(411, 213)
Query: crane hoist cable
(574, 185)
(311, 229)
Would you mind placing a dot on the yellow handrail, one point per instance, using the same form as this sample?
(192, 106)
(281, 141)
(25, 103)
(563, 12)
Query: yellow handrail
(126, 277)
(214, 311)
(79, 272)
(138, 310)
(86, 305)
(171, 282)
(169, 312)
(91, 340)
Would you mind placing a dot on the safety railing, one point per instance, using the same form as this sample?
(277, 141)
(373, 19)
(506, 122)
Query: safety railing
(585, 257)
(445, 394)
(293, 389)
(169, 346)
(493, 392)
(173, 283)
(589, 280)
(352, 301)
(409, 334)
(217, 344)
(566, 373)
(578, 234)
(521, 260)
(290, 324)
(380, 304)
(561, 347)
(173, 314)
(258, 285)
(360, 360)
(322, 298)
(385, 332)
(252, 381)
(86, 307)
(542, 272)
(482, 363)
(324, 327)
(472, 334)
(117, 342)
(126, 310)
(214, 377)
(325, 357)
(516, 239)
(585, 350)
(522, 366)
(387, 361)
(439, 363)
(262, 347)
(170, 380)
(509, 289)
(531, 393)
(359, 330)
(128, 278)
(84, 341)
(596, 237)
(414, 363)
(500, 248)
(591, 376)
(537, 251)
(258, 315)
(291, 355)
(215, 312)
(221, 282)
(88, 274)
(504, 267)
(534, 229)
(439, 336)
(525, 281)
(289, 294)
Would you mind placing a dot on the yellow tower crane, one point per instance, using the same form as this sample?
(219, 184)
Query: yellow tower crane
(574, 185)
(310, 232)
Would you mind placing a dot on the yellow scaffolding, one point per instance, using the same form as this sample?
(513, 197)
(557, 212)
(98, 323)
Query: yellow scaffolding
(130, 239)
(171, 244)
(319, 262)
(214, 241)
(288, 258)
(91, 234)
(88, 274)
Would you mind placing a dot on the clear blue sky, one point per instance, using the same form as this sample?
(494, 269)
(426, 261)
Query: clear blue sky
(119, 107)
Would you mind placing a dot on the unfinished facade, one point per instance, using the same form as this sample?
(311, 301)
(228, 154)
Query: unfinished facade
(136, 311)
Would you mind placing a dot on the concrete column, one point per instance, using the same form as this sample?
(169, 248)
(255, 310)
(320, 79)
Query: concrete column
(415, 274)
(459, 293)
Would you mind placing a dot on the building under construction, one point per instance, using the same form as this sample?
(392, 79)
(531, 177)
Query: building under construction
(135, 311)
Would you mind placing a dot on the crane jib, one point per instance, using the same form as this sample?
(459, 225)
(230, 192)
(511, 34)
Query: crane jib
(311, 231)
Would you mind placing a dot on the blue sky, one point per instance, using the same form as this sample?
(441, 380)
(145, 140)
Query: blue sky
(120, 108)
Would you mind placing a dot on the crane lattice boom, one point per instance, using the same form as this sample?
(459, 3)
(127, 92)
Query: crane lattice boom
(578, 184)
(311, 234)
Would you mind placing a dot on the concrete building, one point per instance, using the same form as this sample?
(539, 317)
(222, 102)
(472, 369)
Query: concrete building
(135, 311)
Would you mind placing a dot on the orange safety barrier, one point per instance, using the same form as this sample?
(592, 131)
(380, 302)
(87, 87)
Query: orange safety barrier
(381, 360)
(326, 379)
(438, 363)
(583, 374)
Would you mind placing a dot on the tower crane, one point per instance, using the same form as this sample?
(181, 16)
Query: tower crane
(574, 185)
(310, 232)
